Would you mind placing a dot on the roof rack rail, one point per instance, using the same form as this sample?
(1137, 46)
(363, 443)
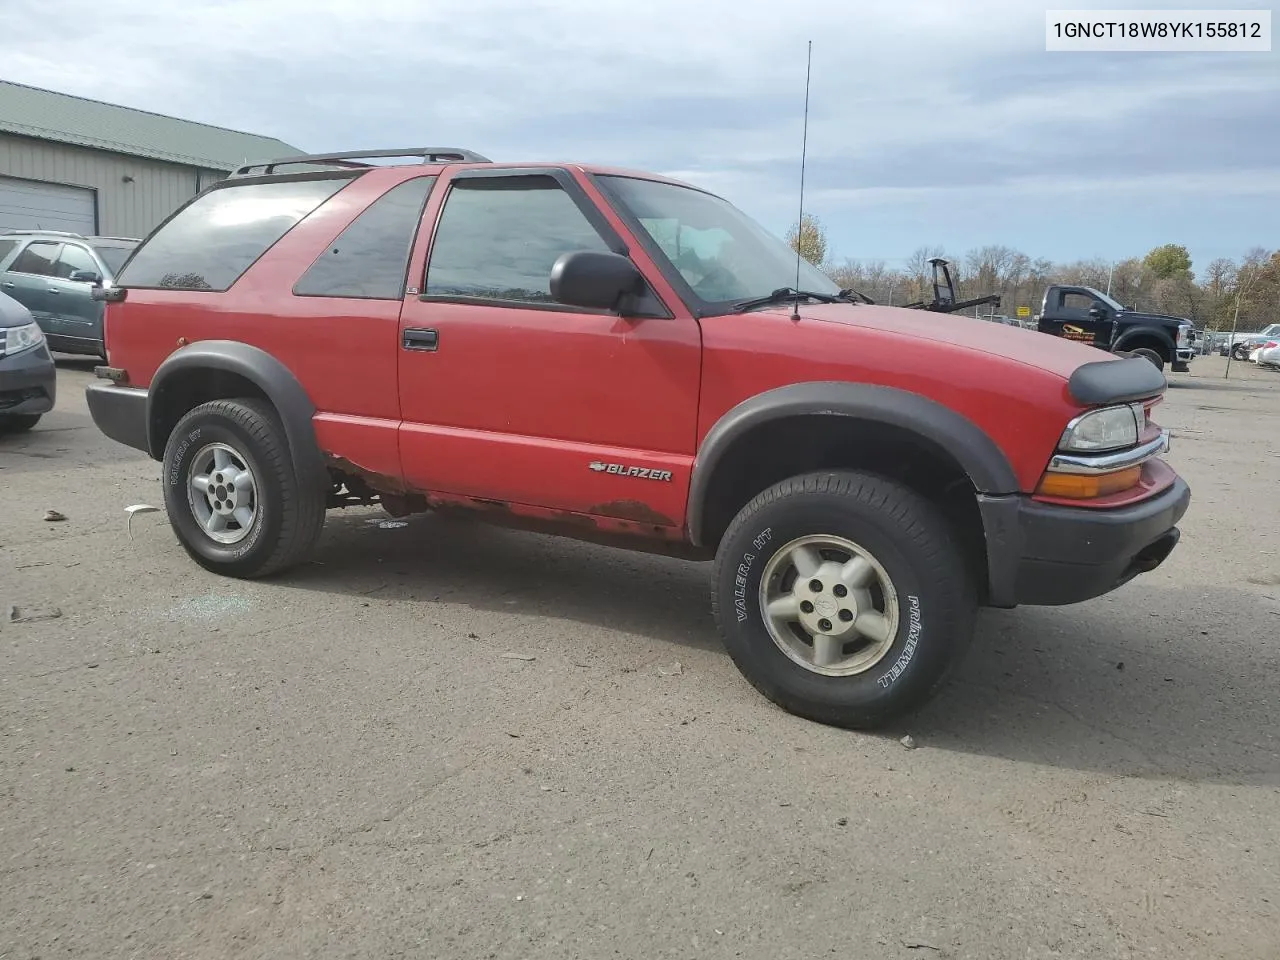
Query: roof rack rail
(29, 232)
(351, 158)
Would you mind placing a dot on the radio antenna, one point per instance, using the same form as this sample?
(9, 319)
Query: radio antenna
(804, 145)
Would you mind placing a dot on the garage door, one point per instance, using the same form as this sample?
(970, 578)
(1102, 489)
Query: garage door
(32, 205)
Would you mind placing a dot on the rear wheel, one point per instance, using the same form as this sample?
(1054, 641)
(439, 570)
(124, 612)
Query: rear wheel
(1148, 354)
(18, 422)
(843, 597)
(233, 497)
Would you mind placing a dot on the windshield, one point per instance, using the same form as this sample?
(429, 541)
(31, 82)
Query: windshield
(721, 253)
(113, 257)
(1113, 304)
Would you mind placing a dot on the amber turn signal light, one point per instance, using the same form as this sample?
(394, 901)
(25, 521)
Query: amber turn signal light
(1088, 486)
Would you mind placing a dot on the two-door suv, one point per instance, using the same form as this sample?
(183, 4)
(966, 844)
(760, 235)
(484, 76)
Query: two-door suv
(623, 358)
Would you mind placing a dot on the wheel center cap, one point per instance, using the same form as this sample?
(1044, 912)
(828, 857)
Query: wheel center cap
(825, 606)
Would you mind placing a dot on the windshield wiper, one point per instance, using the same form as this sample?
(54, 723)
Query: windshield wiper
(849, 293)
(783, 294)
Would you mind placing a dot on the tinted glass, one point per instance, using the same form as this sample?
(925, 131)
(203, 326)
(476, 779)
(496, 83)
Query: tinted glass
(498, 238)
(216, 238)
(7, 247)
(37, 258)
(114, 257)
(370, 257)
(720, 252)
(74, 258)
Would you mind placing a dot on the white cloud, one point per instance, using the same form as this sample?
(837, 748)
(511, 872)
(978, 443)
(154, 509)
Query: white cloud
(904, 95)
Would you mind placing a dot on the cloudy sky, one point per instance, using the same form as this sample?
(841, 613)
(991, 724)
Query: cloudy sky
(939, 122)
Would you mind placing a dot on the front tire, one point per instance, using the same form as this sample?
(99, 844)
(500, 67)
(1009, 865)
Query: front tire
(1148, 354)
(843, 597)
(233, 497)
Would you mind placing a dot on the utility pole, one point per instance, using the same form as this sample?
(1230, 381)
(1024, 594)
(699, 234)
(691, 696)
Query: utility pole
(1110, 274)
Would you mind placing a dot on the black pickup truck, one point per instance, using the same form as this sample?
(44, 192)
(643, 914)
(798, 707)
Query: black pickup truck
(1090, 316)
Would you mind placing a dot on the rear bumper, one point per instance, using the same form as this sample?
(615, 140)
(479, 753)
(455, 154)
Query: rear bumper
(120, 413)
(1046, 555)
(28, 382)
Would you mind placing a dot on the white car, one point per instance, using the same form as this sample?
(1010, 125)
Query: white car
(1267, 355)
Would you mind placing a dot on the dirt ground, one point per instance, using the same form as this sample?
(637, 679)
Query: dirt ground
(442, 740)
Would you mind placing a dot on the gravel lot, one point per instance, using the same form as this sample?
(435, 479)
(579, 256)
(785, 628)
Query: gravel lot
(442, 740)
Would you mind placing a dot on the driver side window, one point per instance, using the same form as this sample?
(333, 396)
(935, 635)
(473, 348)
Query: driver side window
(1077, 302)
(498, 239)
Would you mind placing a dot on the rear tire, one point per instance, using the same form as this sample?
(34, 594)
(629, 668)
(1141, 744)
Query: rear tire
(233, 497)
(18, 422)
(869, 658)
(1148, 354)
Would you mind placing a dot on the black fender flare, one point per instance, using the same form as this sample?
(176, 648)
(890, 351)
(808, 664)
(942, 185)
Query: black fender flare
(1157, 333)
(272, 377)
(977, 454)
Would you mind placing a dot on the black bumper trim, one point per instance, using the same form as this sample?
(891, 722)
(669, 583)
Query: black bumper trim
(1045, 555)
(120, 413)
(28, 382)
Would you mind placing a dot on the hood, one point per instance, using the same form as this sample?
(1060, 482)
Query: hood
(12, 313)
(1030, 347)
(1152, 317)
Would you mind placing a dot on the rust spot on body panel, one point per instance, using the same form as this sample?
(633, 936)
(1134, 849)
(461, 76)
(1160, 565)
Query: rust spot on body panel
(632, 510)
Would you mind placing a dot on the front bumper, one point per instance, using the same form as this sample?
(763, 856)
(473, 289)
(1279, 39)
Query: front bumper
(120, 413)
(1182, 359)
(28, 382)
(1047, 555)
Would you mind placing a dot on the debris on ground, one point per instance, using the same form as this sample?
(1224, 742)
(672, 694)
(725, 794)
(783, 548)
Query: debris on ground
(138, 508)
(518, 656)
(53, 516)
(920, 945)
(908, 741)
(842, 822)
(674, 670)
(22, 615)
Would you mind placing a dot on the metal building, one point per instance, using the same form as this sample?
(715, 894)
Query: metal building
(95, 168)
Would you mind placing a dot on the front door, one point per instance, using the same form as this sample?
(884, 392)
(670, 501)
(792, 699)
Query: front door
(509, 396)
(1084, 319)
(71, 306)
(27, 281)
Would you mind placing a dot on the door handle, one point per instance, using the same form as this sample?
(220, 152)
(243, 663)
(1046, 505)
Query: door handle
(54, 290)
(417, 338)
(7, 284)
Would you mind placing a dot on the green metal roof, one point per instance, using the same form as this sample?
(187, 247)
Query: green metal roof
(32, 112)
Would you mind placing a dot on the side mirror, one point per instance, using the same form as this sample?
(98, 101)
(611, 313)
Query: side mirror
(1098, 312)
(85, 276)
(585, 278)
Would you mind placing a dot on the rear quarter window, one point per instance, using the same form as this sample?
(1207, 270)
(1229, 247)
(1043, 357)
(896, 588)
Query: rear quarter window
(211, 242)
(7, 247)
(369, 259)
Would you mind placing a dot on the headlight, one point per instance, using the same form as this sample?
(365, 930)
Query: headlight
(17, 339)
(1111, 428)
(1184, 334)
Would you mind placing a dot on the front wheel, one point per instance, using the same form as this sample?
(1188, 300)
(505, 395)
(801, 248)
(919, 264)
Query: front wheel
(233, 497)
(843, 597)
